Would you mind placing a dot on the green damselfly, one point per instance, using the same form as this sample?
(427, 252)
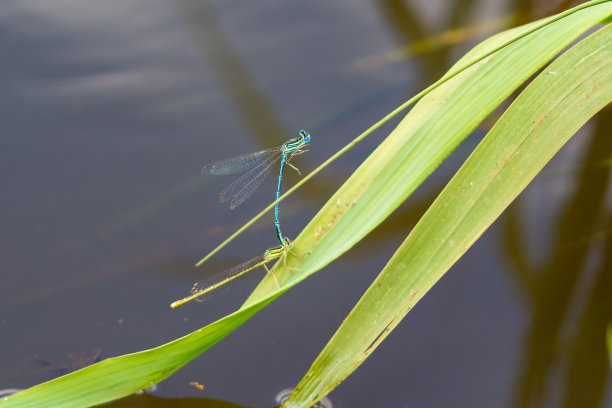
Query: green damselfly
(202, 288)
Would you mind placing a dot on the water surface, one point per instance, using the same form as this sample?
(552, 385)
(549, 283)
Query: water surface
(110, 108)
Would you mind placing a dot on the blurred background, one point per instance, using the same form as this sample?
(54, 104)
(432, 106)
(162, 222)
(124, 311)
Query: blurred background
(110, 108)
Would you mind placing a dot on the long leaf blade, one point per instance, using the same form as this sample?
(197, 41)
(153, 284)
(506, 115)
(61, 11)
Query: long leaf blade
(533, 129)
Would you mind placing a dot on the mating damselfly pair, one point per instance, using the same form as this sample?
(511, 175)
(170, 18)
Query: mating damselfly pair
(258, 166)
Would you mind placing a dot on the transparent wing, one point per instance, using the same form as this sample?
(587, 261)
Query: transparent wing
(241, 163)
(204, 286)
(201, 288)
(241, 189)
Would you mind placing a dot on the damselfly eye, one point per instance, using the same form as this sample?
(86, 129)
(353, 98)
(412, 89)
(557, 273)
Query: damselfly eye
(305, 136)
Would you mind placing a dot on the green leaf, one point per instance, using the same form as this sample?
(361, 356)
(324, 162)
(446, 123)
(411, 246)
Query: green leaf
(550, 110)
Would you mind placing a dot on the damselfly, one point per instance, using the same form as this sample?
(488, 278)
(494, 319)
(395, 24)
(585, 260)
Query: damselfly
(202, 288)
(258, 165)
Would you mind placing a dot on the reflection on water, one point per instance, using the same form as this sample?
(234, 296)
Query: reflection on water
(407, 23)
(8, 391)
(150, 401)
(109, 110)
(284, 394)
(254, 110)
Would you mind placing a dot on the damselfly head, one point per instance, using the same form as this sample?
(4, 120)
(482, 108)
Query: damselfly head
(295, 145)
(305, 136)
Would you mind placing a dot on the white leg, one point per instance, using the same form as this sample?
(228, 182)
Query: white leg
(272, 272)
(293, 167)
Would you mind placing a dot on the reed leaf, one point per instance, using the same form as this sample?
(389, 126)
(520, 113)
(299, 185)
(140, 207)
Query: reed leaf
(539, 122)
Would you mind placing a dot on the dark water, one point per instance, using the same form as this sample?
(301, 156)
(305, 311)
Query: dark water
(109, 109)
